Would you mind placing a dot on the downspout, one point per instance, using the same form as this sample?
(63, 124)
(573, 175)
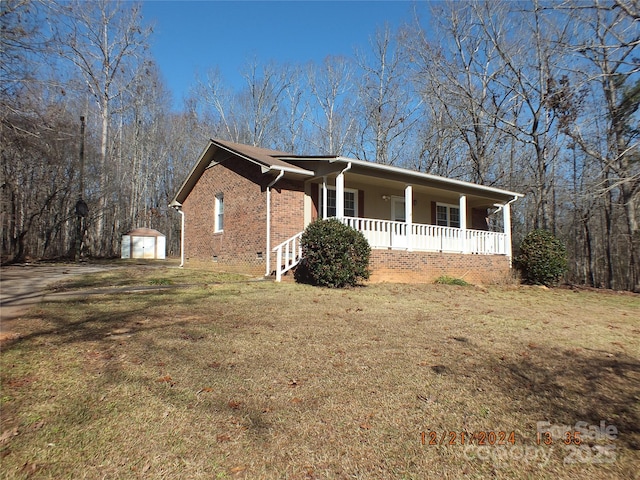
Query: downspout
(181, 238)
(179, 210)
(501, 206)
(268, 252)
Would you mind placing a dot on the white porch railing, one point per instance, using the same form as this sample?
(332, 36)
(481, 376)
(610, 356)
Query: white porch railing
(388, 234)
(288, 255)
(421, 237)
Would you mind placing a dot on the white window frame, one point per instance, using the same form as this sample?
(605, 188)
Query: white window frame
(346, 190)
(219, 213)
(449, 207)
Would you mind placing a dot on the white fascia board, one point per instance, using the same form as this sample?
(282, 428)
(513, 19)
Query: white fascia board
(426, 176)
(411, 173)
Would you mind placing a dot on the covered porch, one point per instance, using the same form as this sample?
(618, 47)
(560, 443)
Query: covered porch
(414, 212)
(403, 211)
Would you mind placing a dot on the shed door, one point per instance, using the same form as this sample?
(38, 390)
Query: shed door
(143, 247)
(149, 247)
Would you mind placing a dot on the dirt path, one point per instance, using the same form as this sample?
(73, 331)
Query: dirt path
(23, 286)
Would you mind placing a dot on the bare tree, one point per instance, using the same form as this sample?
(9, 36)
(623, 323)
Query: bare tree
(456, 75)
(37, 173)
(388, 107)
(602, 54)
(213, 104)
(296, 112)
(331, 86)
(104, 40)
(261, 102)
(527, 70)
(254, 114)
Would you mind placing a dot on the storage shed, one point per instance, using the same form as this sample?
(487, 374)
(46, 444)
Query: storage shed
(143, 243)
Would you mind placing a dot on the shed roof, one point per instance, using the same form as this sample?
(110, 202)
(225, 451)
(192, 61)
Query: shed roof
(145, 232)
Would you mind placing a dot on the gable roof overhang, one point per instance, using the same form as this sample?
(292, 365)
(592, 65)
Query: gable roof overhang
(218, 151)
(274, 163)
(333, 165)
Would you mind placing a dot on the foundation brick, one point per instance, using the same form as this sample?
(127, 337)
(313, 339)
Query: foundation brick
(425, 267)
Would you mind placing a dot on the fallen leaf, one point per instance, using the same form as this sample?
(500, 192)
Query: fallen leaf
(238, 469)
(296, 400)
(30, 468)
(37, 425)
(166, 378)
(223, 437)
(234, 405)
(365, 426)
(120, 331)
(6, 435)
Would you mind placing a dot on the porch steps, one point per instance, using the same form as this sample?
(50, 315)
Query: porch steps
(288, 255)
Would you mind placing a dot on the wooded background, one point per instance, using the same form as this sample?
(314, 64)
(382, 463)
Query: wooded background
(541, 98)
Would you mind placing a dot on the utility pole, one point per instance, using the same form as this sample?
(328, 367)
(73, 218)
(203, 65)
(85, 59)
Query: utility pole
(82, 210)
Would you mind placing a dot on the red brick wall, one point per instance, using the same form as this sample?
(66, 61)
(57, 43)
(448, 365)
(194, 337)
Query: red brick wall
(244, 235)
(425, 267)
(287, 212)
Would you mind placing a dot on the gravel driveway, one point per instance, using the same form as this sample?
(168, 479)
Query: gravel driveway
(23, 286)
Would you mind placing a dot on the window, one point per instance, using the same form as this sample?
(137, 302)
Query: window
(447, 215)
(350, 202)
(219, 212)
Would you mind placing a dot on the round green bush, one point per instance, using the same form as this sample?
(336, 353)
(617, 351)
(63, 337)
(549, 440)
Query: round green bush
(542, 259)
(334, 255)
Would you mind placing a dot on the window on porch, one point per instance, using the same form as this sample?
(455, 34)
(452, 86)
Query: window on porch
(350, 202)
(447, 215)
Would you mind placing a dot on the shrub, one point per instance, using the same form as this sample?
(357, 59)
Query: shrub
(542, 259)
(334, 255)
(446, 280)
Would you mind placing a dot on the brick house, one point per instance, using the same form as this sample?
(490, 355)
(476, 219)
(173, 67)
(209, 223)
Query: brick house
(244, 209)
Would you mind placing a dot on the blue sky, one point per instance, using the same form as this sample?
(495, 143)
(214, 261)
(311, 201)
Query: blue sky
(191, 36)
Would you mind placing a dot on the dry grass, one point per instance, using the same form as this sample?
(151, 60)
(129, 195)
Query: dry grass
(260, 380)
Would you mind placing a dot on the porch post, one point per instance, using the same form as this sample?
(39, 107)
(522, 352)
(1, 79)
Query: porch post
(463, 223)
(408, 214)
(340, 196)
(324, 197)
(506, 220)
